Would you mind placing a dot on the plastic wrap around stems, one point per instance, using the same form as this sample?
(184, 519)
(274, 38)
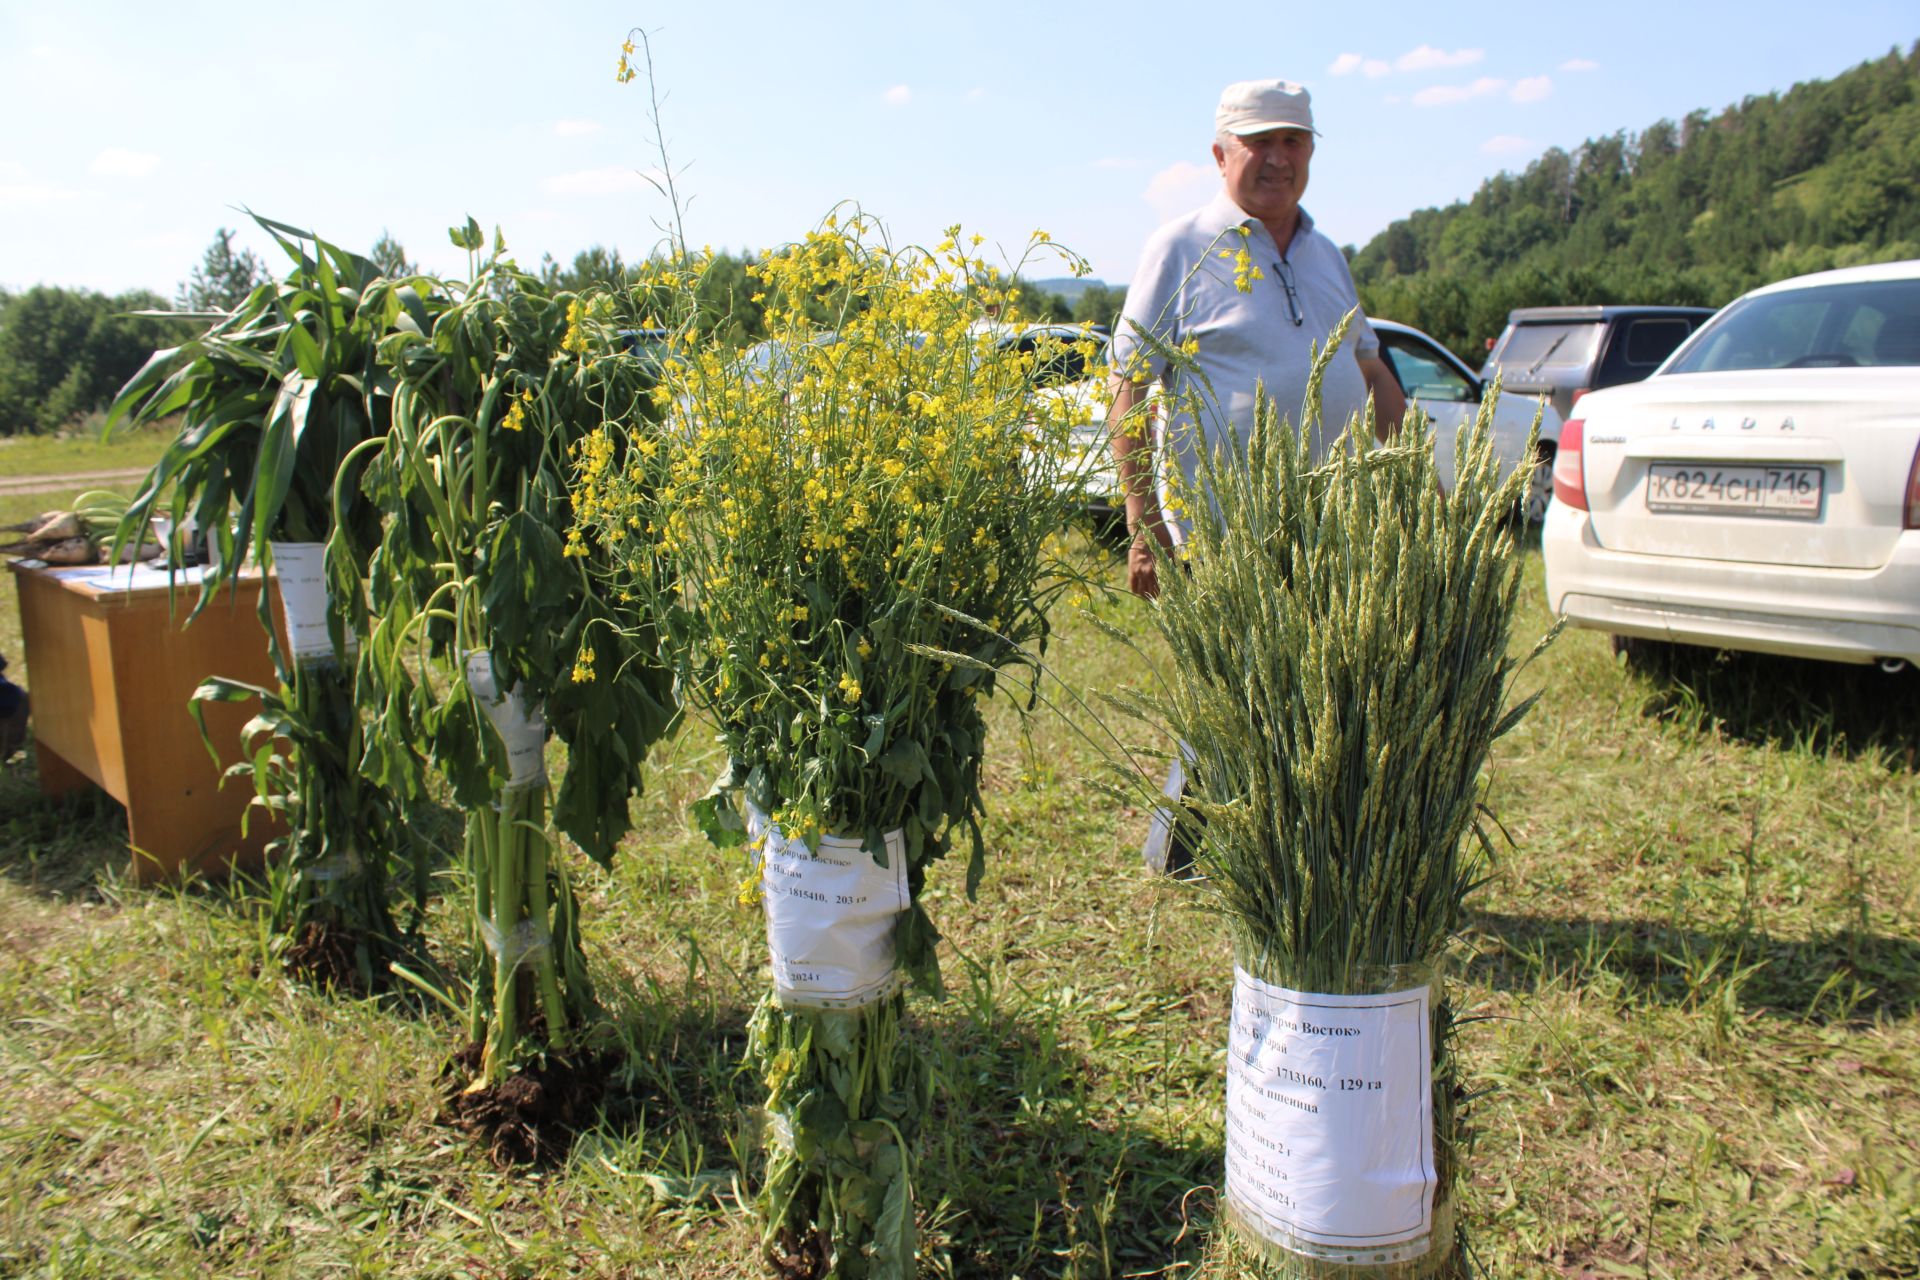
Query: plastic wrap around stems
(831, 912)
(523, 907)
(845, 1088)
(300, 571)
(1340, 1127)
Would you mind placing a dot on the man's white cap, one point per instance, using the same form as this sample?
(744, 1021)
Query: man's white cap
(1257, 106)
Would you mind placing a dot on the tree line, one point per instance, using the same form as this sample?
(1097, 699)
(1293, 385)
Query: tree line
(64, 353)
(1697, 211)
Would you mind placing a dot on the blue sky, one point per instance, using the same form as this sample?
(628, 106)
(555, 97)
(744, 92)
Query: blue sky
(133, 131)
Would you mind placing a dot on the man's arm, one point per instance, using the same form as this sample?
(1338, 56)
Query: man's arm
(1389, 401)
(1131, 434)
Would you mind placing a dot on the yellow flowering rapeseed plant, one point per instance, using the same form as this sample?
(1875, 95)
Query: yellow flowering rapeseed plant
(846, 530)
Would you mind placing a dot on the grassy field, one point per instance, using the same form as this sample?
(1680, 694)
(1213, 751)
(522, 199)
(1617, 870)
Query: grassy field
(1695, 972)
(82, 449)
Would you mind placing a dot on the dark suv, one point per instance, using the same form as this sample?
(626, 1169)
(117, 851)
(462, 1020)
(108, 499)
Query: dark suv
(1565, 352)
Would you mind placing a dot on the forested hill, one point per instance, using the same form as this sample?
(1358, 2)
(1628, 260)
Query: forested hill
(1826, 174)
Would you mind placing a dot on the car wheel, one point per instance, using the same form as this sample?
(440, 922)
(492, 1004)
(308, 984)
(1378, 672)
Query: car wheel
(1648, 657)
(1540, 486)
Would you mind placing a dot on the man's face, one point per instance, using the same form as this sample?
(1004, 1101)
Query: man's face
(1266, 173)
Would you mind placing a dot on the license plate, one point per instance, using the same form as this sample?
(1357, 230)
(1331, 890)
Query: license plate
(1791, 493)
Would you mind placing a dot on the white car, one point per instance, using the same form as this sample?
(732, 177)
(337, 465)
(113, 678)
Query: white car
(1438, 380)
(1761, 490)
(1441, 384)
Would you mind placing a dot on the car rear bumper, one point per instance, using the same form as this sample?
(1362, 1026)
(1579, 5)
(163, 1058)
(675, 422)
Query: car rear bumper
(1839, 615)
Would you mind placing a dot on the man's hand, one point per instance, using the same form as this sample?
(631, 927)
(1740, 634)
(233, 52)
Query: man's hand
(1389, 401)
(1143, 570)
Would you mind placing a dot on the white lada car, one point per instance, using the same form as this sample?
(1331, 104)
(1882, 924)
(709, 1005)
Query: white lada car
(1761, 490)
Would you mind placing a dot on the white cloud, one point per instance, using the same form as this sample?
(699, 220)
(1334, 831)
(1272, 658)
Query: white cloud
(11, 172)
(1374, 68)
(116, 162)
(1345, 64)
(1445, 95)
(1579, 64)
(1531, 89)
(14, 195)
(898, 96)
(597, 182)
(1505, 144)
(1428, 58)
(575, 128)
(975, 95)
(1181, 186)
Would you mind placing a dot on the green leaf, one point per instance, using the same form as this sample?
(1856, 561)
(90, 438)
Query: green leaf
(893, 1233)
(718, 818)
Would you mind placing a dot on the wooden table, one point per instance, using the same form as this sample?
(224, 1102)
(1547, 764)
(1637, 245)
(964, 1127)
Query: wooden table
(110, 668)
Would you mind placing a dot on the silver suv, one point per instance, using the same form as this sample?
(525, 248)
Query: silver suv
(1565, 352)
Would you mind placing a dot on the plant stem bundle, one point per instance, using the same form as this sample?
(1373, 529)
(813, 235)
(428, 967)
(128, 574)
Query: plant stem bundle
(473, 583)
(846, 533)
(1339, 638)
(275, 399)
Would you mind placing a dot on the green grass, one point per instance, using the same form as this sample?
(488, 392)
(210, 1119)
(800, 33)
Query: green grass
(1696, 969)
(81, 449)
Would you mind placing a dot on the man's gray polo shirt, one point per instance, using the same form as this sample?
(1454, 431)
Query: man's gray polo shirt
(1184, 291)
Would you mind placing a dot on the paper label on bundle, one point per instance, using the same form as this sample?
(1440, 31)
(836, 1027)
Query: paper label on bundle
(1330, 1117)
(521, 727)
(831, 913)
(301, 570)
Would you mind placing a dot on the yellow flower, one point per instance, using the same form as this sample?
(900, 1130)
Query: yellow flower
(799, 613)
(849, 688)
(516, 418)
(583, 667)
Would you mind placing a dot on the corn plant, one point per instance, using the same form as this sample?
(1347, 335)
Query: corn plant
(1339, 665)
(273, 401)
(483, 606)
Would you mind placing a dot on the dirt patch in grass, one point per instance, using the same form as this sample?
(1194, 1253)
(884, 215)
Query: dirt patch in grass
(533, 1116)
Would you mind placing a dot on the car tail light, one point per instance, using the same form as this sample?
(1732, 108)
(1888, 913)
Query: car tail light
(1570, 465)
(1913, 491)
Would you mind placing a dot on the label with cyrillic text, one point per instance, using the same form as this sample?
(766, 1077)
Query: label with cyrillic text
(831, 912)
(300, 569)
(1330, 1116)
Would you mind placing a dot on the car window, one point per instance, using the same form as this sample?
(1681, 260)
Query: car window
(1062, 360)
(1536, 346)
(1651, 341)
(1424, 372)
(1824, 326)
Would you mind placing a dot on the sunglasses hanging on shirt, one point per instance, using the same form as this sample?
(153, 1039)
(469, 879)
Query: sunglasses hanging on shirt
(1284, 271)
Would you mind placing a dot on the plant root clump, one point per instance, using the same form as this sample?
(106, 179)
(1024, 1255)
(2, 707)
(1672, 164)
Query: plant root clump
(532, 1117)
(323, 954)
(800, 1257)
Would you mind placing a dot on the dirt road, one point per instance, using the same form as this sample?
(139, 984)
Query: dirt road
(71, 483)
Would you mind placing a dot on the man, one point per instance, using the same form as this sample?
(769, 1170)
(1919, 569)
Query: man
(1246, 284)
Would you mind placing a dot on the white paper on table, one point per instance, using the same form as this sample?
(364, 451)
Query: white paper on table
(301, 570)
(521, 727)
(1330, 1117)
(129, 577)
(831, 912)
